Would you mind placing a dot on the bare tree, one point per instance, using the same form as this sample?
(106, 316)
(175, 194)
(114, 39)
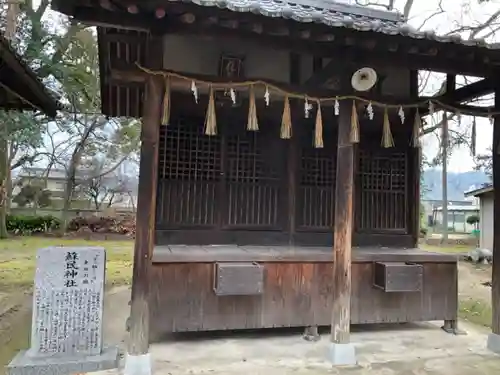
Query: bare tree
(105, 189)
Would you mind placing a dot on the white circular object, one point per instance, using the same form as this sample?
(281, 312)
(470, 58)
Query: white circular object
(364, 79)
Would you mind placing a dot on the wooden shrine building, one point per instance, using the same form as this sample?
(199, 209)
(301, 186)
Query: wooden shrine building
(20, 88)
(272, 133)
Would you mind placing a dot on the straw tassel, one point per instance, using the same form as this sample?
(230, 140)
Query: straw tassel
(165, 119)
(318, 134)
(210, 118)
(354, 136)
(473, 137)
(387, 140)
(417, 125)
(286, 121)
(253, 122)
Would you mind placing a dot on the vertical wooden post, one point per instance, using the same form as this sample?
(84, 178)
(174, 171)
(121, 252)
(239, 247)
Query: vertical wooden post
(138, 345)
(494, 337)
(414, 177)
(450, 87)
(342, 352)
(293, 144)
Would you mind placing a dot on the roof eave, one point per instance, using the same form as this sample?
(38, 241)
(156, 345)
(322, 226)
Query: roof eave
(47, 104)
(478, 192)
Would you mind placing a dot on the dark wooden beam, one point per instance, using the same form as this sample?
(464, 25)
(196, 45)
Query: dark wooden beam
(146, 206)
(466, 93)
(120, 20)
(403, 56)
(322, 75)
(317, 64)
(342, 231)
(471, 91)
(451, 83)
(293, 152)
(415, 165)
(494, 339)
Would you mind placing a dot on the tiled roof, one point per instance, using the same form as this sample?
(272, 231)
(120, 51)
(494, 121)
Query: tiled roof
(338, 15)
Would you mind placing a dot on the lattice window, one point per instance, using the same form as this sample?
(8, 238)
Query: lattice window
(248, 161)
(382, 191)
(189, 174)
(317, 168)
(187, 154)
(316, 193)
(254, 184)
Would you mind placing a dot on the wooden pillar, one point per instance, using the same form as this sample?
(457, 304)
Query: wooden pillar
(415, 158)
(494, 338)
(293, 145)
(138, 345)
(342, 352)
(450, 87)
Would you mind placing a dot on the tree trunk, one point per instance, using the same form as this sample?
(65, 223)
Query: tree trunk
(3, 183)
(68, 193)
(9, 188)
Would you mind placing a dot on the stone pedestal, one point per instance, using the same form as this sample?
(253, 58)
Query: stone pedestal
(66, 327)
(24, 364)
(494, 343)
(342, 354)
(137, 364)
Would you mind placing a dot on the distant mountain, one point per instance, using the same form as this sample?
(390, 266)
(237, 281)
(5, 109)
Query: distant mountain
(458, 183)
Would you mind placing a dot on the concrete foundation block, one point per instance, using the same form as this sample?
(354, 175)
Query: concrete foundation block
(342, 354)
(24, 364)
(494, 343)
(138, 364)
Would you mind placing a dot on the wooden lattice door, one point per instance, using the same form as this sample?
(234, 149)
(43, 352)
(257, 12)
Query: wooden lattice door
(189, 176)
(230, 181)
(382, 191)
(316, 182)
(253, 171)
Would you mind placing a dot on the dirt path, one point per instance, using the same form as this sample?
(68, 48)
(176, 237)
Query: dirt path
(15, 310)
(470, 282)
(15, 325)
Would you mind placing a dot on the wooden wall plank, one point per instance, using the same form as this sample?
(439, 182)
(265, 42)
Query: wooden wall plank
(295, 294)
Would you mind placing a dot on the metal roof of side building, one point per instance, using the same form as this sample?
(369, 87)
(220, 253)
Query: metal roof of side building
(478, 192)
(23, 88)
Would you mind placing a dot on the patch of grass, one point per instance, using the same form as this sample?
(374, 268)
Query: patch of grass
(18, 256)
(17, 268)
(446, 249)
(475, 311)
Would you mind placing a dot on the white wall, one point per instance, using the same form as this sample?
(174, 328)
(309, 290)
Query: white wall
(191, 54)
(200, 55)
(486, 221)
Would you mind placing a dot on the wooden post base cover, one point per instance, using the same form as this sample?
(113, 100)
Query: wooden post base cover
(137, 364)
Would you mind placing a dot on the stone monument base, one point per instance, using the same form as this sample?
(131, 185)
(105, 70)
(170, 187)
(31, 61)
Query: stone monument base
(23, 364)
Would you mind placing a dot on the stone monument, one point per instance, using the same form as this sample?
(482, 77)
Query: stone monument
(66, 333)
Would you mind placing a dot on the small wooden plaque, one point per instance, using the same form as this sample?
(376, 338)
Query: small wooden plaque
(398, 276)
(238, 279)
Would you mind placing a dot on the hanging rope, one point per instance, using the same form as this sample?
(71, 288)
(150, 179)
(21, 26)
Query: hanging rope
(295, 95)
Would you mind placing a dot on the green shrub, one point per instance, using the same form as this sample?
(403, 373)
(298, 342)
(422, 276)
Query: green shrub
(473, 220)
(19, 224)
(423, 232)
